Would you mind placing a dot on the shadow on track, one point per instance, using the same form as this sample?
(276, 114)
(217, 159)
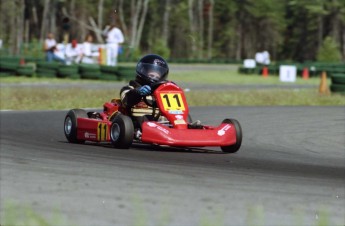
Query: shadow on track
(156, 148)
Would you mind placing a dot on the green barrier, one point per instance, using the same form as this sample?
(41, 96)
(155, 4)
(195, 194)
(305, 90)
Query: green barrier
(5, 74)
(126, 73)
(338, 79)
(48, 65)
(338, 88)
(46, 73)
(65, 71)
(89, 68)
(90, 75)
(9, 67)
(109, 69)
(109, 77)
(26, 71)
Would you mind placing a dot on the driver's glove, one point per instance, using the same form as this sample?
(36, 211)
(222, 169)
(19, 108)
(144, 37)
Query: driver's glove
(144, 90)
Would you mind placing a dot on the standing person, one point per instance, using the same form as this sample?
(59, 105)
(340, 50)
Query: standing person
(50, 48)
(114, 37)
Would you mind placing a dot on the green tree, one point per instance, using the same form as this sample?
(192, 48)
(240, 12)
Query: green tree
(329, 51)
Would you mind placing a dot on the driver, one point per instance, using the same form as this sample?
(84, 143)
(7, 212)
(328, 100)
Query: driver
(150, 69)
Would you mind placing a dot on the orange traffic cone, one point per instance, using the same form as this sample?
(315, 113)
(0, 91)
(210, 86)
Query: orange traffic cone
(324, 89)
(264, 71)
(305, 73)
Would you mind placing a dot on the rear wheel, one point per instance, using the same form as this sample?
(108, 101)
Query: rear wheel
(235, 147)
(71, 125)
(122, 131)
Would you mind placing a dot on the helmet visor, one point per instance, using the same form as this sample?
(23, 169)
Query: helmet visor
(153, 72)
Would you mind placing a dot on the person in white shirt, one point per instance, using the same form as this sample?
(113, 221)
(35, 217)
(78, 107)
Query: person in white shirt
(73, 52)
(114, 37)
(50, 48)
(88, 55)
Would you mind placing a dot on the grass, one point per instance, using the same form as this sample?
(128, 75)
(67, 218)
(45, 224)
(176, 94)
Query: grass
(15, 214)
(30, 98)
(202, 77)
(53, 98)
(232, 77)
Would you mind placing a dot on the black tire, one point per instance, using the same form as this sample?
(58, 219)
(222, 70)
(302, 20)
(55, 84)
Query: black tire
(71, 126)
(122, 131)
(235, 147)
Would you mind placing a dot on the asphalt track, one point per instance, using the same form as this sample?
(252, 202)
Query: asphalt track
(289, 171)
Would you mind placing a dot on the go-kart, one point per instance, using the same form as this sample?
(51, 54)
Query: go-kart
(116, 126)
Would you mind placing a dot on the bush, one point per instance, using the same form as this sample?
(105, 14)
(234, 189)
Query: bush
(160, 48)
(329, 51)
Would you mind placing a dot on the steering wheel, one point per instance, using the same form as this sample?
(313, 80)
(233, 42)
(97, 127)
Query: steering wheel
(152, 103)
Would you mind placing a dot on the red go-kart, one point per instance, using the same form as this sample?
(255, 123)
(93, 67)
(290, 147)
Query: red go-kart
(116, 126)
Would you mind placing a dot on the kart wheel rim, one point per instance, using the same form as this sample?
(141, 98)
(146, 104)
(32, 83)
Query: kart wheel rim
(68, 125)
(115, 132)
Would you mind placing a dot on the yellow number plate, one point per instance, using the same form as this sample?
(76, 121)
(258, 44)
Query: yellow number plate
(172, 101)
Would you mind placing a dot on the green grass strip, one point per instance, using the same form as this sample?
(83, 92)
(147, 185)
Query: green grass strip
(31, 98)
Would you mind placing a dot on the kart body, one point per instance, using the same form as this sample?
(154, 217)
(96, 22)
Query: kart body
(114, 125)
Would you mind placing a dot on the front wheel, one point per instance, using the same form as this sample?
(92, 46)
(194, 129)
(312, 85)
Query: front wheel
(235, 147)
(122, 131)
(71, 125)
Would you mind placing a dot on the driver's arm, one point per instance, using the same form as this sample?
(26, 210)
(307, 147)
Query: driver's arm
(130, 96)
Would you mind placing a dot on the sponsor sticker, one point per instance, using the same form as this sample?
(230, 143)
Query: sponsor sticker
(89, 135)
(175, 112)
(179, 122)
(158, 61)
(179, 116)
(222, 131)
(153, 125)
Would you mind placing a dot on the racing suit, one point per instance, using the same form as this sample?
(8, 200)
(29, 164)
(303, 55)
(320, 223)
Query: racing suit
(134, 104)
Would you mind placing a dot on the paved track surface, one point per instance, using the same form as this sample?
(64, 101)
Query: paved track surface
(289, 170)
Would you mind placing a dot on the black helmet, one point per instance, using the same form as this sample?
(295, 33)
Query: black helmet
(151, 68)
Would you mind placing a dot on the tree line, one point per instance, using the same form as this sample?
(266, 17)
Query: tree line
(203, 29)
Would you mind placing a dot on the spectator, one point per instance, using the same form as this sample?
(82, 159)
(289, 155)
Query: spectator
(50, 49)
(262, 58)
(88, 55)
(114, 37)
(73, 53)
